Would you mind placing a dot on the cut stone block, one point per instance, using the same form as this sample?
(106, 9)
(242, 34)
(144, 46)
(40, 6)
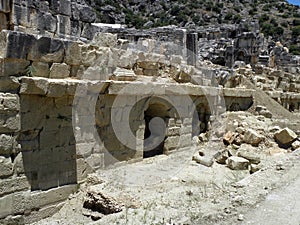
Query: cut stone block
(59, 70)
(252, 137)
(47, 50)
(237, 163)
(6, 167)
(285, 136)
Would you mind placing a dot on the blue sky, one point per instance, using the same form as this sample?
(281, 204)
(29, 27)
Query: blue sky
(295, 2)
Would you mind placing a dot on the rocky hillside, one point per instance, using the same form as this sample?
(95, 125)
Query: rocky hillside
(277, 18)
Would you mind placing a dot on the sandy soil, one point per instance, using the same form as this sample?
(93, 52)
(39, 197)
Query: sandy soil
(175, 190)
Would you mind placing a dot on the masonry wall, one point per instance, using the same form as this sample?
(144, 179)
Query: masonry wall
(43, 154)
(282, 86)
(53, 18)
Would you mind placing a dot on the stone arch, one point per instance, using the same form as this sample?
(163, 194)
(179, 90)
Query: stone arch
(157, 108)
(201, 120)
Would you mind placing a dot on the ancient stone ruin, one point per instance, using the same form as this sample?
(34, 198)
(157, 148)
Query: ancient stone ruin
(67, 85)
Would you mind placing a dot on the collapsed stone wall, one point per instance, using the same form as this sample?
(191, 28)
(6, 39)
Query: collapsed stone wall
(284, 87)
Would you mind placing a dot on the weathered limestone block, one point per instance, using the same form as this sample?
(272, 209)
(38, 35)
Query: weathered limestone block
(105, 39)
(3, 21)
(76, 28)
(15, 45)
(40, 69)
(12, 185)
(229, 137)
(237, 163)
(9, 123)
(63, 25)
(10, 67)
(86, 13)
(57, 89)
(221, 156)
(5, 6)
(203, 160)
(57, 138)
(9, 84)
(127, 59)
(252, 137)
(47, 50)
(65, 7)
(46, 22)
(39, 199)
(18, 203)
(37, 86)
(42, 213)
(83, 169)
(285, 136)
(88, 31)
(21, 15)
(89, 55)
(296, 145)
(9, 102)
(249, 154)
(75, 13)
(171, 143)
(8, 144)
(73, 53)
(18, 166)
(6, 167)
(59, 70)
(185, 140)
(123, 75)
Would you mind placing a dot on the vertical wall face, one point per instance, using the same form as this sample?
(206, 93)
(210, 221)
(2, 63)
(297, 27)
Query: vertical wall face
(114, 149)
(47, 140)
(48, 17)
(37, 152)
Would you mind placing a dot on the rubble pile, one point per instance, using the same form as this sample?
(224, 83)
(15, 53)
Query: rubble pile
(248, 139)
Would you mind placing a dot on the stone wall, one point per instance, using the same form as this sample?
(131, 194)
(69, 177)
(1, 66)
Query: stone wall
(53, 18)
(45, 153)
(284, 87)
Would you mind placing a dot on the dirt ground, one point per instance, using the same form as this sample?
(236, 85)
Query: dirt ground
(175, 190)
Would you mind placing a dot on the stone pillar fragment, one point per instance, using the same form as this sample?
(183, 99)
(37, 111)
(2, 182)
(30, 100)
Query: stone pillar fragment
(192, 45)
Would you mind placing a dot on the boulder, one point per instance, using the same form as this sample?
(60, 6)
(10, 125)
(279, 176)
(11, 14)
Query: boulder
(252, 137)
(221, 156)
(296, 145)
(203, 160)
(237, 163)
(249, 155)
(266, 113)
(285, 137)
(99, 202)
(229, 137)
(255, 167)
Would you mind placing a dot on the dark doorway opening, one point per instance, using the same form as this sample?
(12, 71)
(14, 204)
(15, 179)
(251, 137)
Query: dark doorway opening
(159, 149)
(155, 129)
